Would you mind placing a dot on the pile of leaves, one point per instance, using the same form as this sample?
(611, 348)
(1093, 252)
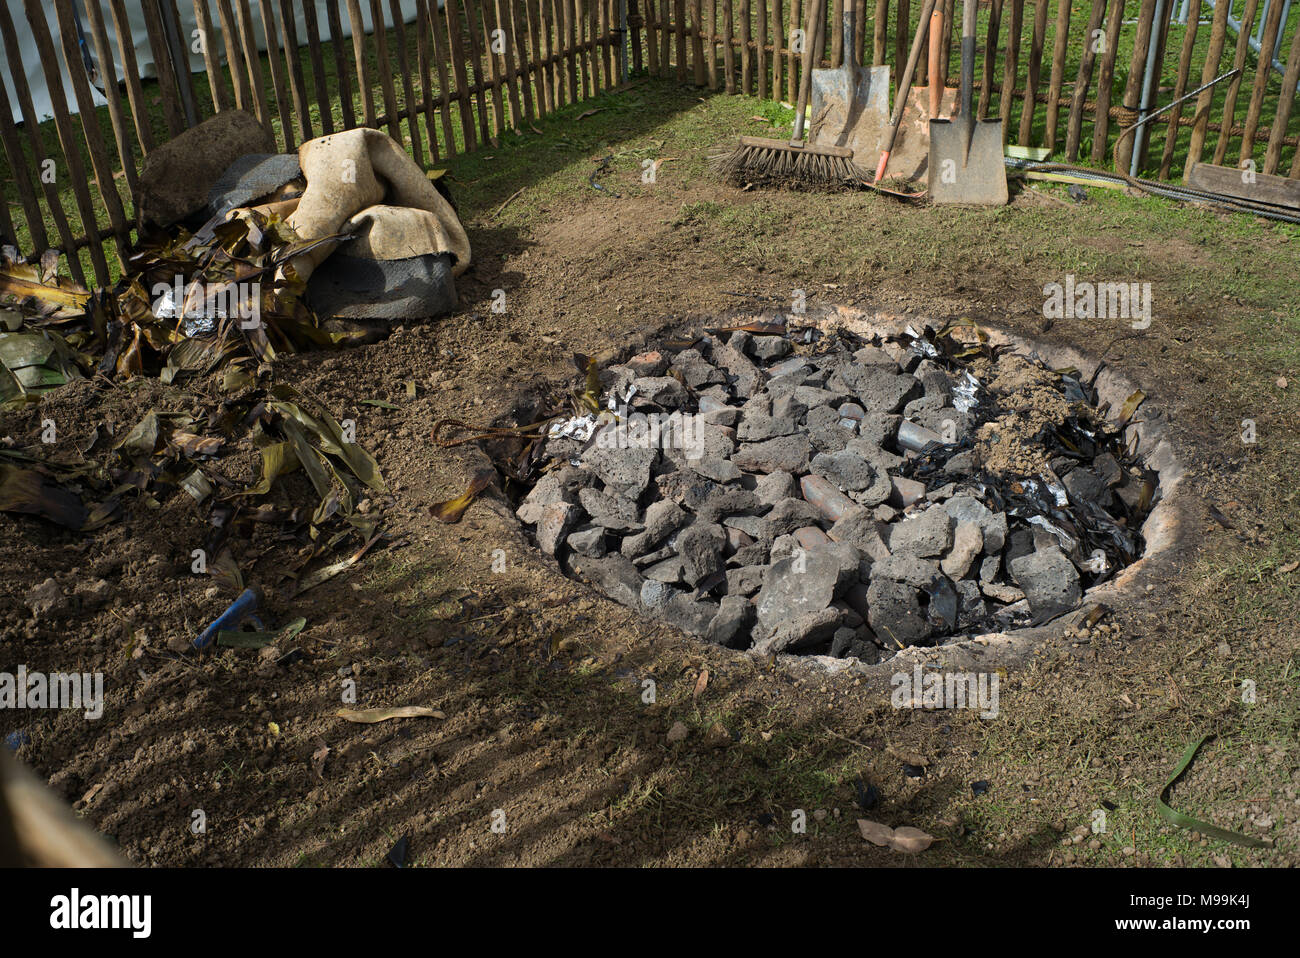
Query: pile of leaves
(219, 303)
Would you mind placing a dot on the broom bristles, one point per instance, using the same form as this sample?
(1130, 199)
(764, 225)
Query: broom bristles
(785, 165)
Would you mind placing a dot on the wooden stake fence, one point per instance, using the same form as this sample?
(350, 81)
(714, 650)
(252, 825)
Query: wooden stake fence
(465, 73)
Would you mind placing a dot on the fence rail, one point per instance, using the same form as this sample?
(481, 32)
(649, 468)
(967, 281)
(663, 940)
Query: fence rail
(1065, 75)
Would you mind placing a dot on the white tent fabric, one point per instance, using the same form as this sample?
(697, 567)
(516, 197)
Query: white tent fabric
(31, 63)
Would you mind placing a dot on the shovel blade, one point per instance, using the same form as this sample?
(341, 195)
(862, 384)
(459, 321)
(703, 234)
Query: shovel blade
(966, 165)
(849, 108)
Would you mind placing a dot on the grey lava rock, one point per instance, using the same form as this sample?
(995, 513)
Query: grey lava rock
(615, 575)
(1049, 580)
(993, 526)
(894, 599)
(774, 487)
(861, 529)
(791, 514)
(805, 583)
(800, 632)
(881, 388)
(662, 518)
(783, 454)
(967, 542)
(587, 541)
(700, 545)
(926, 535)
(731, 625)
(557, 520)
(624, 471)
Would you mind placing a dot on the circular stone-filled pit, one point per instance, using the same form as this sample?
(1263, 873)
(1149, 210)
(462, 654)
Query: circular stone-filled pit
(812, 490)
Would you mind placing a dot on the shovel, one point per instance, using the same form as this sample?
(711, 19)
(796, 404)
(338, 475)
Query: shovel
(965, 153)
(850, 105)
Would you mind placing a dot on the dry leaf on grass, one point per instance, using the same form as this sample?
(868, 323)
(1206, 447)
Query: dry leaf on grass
(370, 716)
(905, 838)
(701, 684)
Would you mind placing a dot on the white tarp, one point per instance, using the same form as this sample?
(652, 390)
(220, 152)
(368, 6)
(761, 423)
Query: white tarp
(31, 62)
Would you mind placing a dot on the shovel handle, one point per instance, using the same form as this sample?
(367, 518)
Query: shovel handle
(936, 51)
(905, 86)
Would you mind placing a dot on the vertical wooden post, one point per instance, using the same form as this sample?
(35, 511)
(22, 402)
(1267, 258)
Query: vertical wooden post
(778, 49)
(465, 107)
(1101, 122)
(728, 51)
(385, 67)
(746, 54)
(1180, 86)
(697, 43)
(271, 37)
(990, 60)
(1213, 56)
(1012, 67)
(346, 108)
(1263, 71)
(1030, 104)
(1133, 83)
(879, 33)
(1234, 85)
(408, 91)
(1286, 99)
(760, 49)
(115, 115)
(793, 59)
(902, 34)
(211, 59)
(1059, 50)
(1074, 128)
(318, 66)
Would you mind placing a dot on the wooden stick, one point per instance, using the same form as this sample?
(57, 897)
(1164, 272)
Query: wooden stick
(408, 89)
(90, 131)
(442, 59)
(1147, 34)
(778, 49)
(665, 40)
(728, 50)
(95, 16)
(1213, 56)
(555, 48)
(423, 35)
(1074, 128)
(1230, 95)
(131, 71)
(362, 64)
(184, 78)
(679, 15)
(1059, 50)
(253, 64)
(902, 32)
(746, 51)
(505, 62)
(949, 28)
(1030, 102)
(162, 58)
(297, 84)
(76, 172)
(697, 43)
(323, 103)
(794, 61)
(593, 44)
(385, 67)
(47, 832)
(1286, 99)
(571, 41)
(761, 50)
(651, 36)
(458, 67)
(22, 179)
(487, 11)
(1012, 66)
(1101, 121)
(541, 77)
(879, 33)
(990, 59)
(271, 37)
(1263, 71)
(211, 61)
(340, 65)
(1180, 87)
(837, 33)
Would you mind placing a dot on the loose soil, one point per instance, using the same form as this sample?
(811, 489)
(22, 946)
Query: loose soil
(550, 725)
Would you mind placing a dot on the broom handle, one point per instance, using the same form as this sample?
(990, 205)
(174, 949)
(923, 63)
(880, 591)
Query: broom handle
(905, 86)
(812, 39)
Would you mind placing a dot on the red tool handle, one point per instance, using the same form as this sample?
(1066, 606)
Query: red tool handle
(905, 87)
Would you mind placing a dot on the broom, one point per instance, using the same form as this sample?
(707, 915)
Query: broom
(775, 162)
